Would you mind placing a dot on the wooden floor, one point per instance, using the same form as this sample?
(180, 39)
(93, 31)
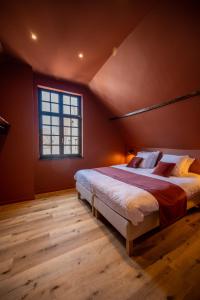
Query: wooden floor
(53, 248)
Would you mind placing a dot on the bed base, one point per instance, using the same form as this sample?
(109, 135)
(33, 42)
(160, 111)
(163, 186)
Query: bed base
(129, 243)
(124, 226)
(129, 231)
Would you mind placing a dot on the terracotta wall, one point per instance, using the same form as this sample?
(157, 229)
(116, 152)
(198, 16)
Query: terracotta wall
(17, 147)
(102, 143)
(22, 173)
(159, 60)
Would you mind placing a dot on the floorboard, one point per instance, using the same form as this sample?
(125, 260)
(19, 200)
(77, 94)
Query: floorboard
(53, 248)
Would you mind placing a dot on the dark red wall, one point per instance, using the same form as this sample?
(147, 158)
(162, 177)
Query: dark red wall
(158, 61)
(22, 173)
(17, 147)
(102, 143)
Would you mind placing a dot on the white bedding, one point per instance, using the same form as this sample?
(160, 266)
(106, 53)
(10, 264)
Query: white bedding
(129, 201)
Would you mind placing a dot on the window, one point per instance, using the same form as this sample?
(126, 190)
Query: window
(59, 124)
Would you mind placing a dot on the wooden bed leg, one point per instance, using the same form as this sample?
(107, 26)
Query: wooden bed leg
(93, 211)
(97, 214)
(79, 196)
(129, 247)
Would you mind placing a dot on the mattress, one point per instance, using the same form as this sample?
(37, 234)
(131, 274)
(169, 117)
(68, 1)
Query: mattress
(129, 201)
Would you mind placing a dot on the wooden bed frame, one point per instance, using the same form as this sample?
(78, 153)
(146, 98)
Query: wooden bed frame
(129, 231)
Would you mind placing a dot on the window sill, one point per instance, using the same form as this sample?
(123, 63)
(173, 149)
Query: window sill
(46, 157)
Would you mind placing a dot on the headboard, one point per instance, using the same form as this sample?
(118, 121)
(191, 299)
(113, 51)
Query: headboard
(191, 153)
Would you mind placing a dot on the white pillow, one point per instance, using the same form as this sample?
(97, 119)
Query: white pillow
(180, 161)
(188, 163)
(149, 159)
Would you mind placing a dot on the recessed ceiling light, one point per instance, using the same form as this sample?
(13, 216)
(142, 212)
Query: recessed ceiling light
(80, 55)
(33, 36)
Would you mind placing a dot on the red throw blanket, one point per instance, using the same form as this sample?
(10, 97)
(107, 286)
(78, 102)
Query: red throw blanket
(172, 199)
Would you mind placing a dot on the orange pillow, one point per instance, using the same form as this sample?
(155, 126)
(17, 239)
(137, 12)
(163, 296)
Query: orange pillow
(134, 162)
(164, 169)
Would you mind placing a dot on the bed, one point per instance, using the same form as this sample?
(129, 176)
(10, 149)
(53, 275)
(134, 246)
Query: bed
(131, 210)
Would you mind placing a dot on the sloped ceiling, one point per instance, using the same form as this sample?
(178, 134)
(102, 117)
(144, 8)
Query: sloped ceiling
(65, 28)
(158, 61)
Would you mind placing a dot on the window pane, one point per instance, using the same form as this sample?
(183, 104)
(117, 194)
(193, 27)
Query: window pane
(74, 141)
(45, 96)
(55, 150)
(67, 131)
(66, 109)
(46, 120)
(74, 101)
(46, 139)
(74, 110)
(67, 149)
(75, 131)
(67, 122)
(74, 122)
(55, 130)
(54, 97)
(66, 100)
(55, 140)
(74, 149)
(55, 120)
(46, 129)
(54, 108)
(60, 127)
(45, 106)
(46, 150)
(67, 140)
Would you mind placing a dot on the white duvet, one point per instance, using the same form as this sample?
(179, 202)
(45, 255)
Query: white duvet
(129, 201)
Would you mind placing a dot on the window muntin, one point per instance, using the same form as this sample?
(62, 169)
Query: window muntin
(60, 124)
